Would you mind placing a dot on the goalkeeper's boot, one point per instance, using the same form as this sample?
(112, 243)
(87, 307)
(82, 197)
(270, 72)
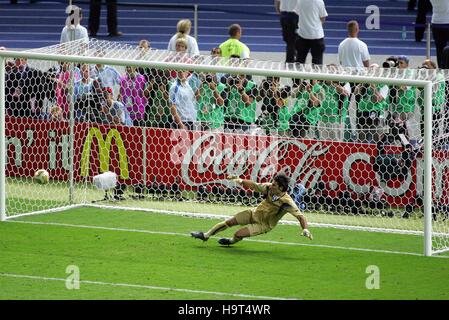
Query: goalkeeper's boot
(199, 235)
(225, 241)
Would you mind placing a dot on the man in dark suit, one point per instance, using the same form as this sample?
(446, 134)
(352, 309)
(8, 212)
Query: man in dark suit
(424, 6)
(94, 18)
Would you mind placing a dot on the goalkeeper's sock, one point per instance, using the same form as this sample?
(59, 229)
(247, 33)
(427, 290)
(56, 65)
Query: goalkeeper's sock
(235, 239)
(216, 229)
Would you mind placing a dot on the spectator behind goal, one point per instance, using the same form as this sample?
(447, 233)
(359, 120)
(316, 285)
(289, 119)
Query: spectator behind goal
(183, 29)
(233, 46)
(74, 32)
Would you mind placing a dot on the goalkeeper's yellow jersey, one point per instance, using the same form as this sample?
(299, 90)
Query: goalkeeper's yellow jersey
(273, 208)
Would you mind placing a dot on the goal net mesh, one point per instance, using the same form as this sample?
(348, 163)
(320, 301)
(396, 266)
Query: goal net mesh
(171, 128)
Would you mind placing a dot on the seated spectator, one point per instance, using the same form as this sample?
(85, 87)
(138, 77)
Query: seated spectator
(115, 112)
(24, 94)
(132, 95)
(183, 29)
(211, 103)
(333, 111)
(74, 31)
(183, 103)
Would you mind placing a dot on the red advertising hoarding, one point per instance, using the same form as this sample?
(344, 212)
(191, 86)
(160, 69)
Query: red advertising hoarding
(196, 158)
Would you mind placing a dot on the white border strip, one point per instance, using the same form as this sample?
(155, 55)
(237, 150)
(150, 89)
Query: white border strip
(73, 206)
(238, 295)
(187, 235)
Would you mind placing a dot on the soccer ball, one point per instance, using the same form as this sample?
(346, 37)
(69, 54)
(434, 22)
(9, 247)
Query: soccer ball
(42, 176)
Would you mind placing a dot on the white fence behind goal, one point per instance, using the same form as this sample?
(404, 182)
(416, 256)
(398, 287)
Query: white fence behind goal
(365, 149)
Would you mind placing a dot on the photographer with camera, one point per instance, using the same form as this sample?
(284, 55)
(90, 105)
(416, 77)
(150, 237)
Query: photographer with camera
(157, 110)
(305, 114)
(334, 110)
(402, 100)
(211, 103)
(240, 103)
(272, 96)
(393, 166)
(371, 109)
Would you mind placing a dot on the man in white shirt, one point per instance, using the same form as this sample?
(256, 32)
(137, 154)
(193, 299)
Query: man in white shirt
(311, 16)
(108, 77)
(74, 32)
(352, 52)
(440, 27)
(289, 24)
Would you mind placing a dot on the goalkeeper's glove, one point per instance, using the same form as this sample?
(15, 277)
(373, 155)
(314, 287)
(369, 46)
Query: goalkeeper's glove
(235, 179)
(306, 233)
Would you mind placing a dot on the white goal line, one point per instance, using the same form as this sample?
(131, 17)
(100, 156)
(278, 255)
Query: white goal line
(139, 286)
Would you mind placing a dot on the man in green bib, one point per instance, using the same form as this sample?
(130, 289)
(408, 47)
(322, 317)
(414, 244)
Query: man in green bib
(334, 109)
(233, 46)
(305, 114)
(211, 103)
(240, 103)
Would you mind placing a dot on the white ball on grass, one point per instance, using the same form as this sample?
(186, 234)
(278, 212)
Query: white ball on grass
(42, 176)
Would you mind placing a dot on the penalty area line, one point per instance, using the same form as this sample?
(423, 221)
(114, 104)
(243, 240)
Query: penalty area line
(139, 286)
(188, 235)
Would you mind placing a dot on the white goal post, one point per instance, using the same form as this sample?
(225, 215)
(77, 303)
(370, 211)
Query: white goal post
(75, 155)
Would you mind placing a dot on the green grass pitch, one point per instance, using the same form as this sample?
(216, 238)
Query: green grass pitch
(143, 255)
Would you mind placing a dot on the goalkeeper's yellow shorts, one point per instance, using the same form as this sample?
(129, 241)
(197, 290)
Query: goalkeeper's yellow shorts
(246, 218)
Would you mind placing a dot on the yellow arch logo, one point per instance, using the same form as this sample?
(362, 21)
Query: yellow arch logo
(104, 150)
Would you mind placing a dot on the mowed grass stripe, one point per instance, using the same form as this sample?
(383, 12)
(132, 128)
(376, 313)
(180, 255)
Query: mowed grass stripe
(138, 220)
(233, 295)
(216, 237)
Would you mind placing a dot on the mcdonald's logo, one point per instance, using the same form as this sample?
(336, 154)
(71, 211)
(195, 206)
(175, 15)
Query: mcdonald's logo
(104, 150)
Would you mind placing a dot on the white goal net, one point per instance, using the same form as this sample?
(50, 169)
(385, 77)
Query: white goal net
(121, 126)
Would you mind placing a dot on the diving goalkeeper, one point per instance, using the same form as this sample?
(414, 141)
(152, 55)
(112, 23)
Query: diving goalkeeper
(264, 217)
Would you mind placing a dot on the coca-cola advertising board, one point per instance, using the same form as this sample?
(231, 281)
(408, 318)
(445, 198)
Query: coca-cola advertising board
(197, 158)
